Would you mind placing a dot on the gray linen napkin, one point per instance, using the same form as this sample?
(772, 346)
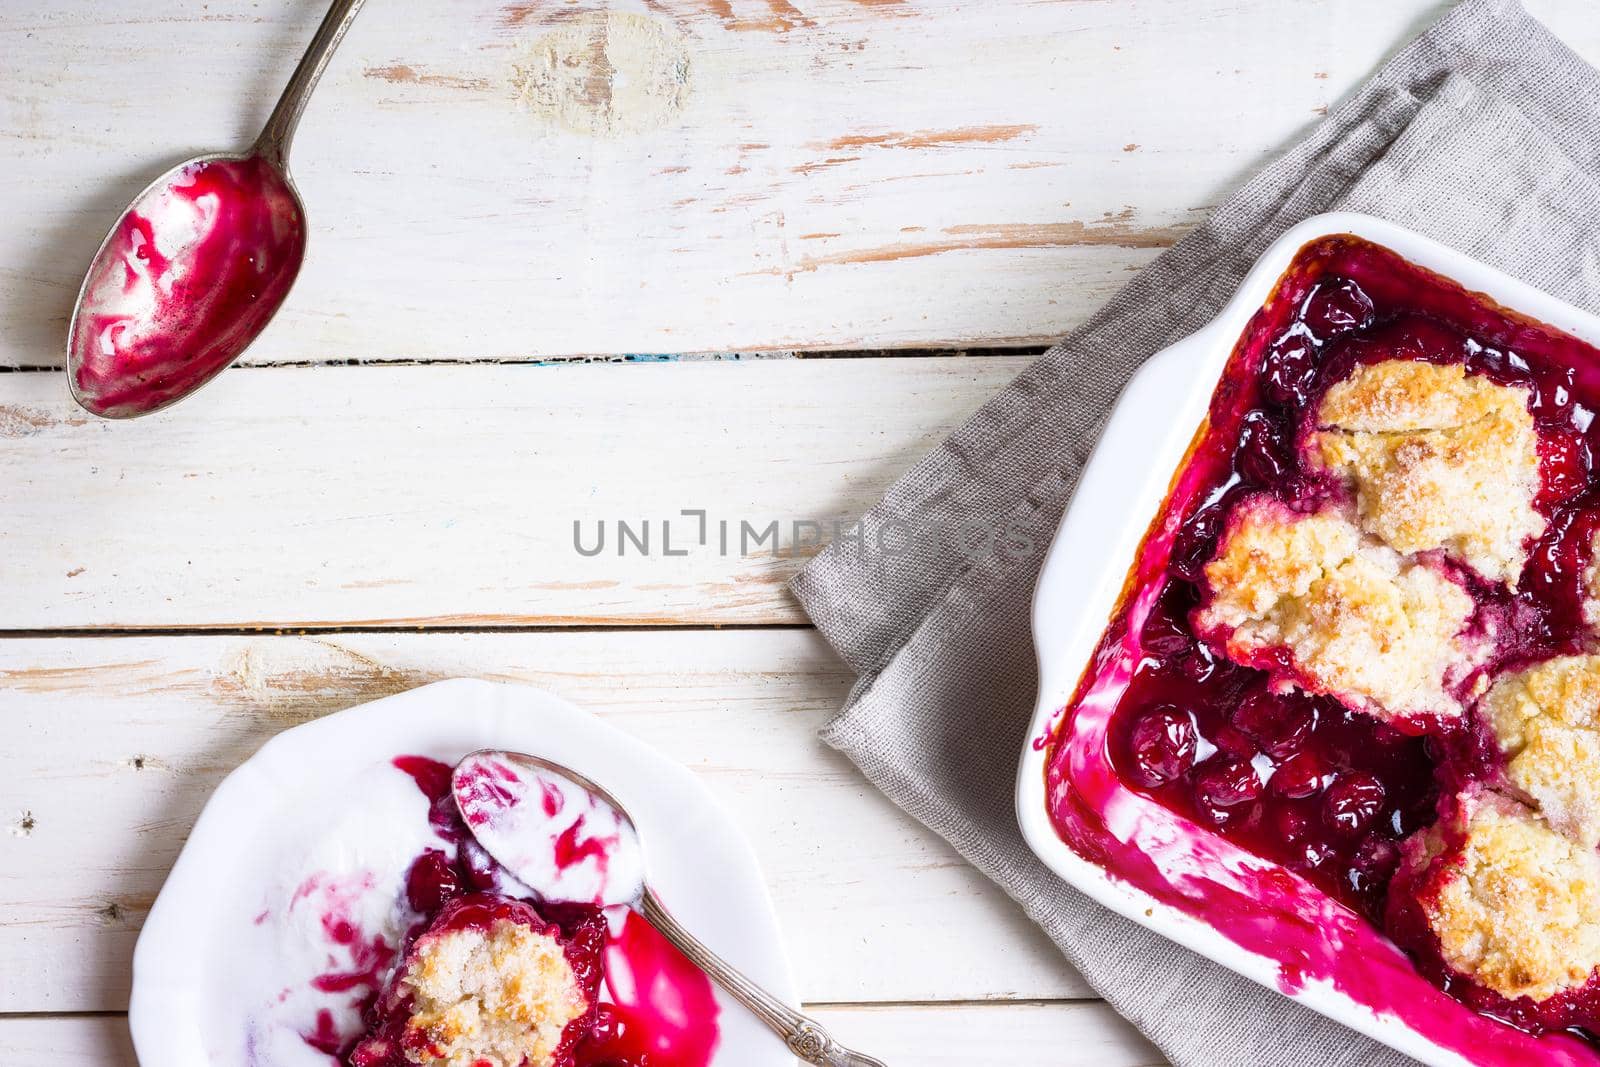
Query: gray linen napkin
(1485, 134)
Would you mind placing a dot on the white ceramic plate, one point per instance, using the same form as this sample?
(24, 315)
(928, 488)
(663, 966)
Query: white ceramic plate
(1119, 494)
(320, 788)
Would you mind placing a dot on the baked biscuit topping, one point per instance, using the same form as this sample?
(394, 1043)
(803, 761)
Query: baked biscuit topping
(499, 997)
(1362, 622)
(1546, 720)
(1439, 459)
(1590, 592)
(1514, 905)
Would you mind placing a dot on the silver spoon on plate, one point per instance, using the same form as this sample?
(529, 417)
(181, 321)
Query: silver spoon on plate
(520, 807)
(198, 264)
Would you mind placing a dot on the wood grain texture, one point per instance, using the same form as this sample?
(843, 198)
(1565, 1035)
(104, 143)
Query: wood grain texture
(993, 1035)
(493, 179)
(906, 1035)
(446, 496)
(117, 742)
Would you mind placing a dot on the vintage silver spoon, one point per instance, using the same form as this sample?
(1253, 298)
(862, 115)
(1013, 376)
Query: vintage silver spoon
(505, 800)
(198, 264)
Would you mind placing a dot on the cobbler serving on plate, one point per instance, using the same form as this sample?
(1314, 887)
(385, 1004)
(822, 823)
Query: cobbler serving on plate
(487, 974)
(489, 981)
(1362, 640)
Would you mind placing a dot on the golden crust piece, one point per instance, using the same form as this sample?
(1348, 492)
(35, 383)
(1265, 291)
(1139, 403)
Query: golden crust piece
(1381, 632)
(1591, 584)
(1518, 908)
(1440, 459)
(499, 998)
(1547, 722)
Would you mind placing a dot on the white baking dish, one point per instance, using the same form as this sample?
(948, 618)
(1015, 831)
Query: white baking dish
(1121, 490)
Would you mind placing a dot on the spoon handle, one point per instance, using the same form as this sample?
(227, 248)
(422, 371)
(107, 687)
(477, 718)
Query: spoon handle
(276, 136)
(805, 1036)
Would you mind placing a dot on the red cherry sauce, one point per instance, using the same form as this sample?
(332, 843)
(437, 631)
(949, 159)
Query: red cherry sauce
(184, 283)
(358, 960)
(660, 1011)
(1276, 819)
(573, 847)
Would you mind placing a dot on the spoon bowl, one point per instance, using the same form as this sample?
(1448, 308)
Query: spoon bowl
(198, 264)
(558, 833)
(188, 277)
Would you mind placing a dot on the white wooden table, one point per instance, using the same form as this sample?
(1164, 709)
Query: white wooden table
(508, 203)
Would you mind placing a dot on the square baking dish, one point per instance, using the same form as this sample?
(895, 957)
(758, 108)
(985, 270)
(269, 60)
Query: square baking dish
(1203, 892)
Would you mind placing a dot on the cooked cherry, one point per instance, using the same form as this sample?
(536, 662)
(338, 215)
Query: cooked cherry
(1192, 549)
(1377, 856)
(1551, 591)
(1300, 776)
(440, 887)
(1239, 819)
(1564, 463)
(1372, 865)
(1281, 725)
(431, 881)
(1289, 370)
(1162, 746)
(1353, 802)
(1256, 713)
(1417, 337)
(480, 868)
(1196, 663)
(1166, 637)
(1226, 783)
(1232, 741)
(1335, 306)
(1263, 457)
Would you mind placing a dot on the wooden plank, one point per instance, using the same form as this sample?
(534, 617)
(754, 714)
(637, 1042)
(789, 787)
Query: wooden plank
(422, 496)
(68, 1041)
(948, 1035)
(508, 180)
(1084, 1034)
(115, 743)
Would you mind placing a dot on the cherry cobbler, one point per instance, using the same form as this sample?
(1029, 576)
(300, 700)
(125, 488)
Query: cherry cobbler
(1362, 640)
